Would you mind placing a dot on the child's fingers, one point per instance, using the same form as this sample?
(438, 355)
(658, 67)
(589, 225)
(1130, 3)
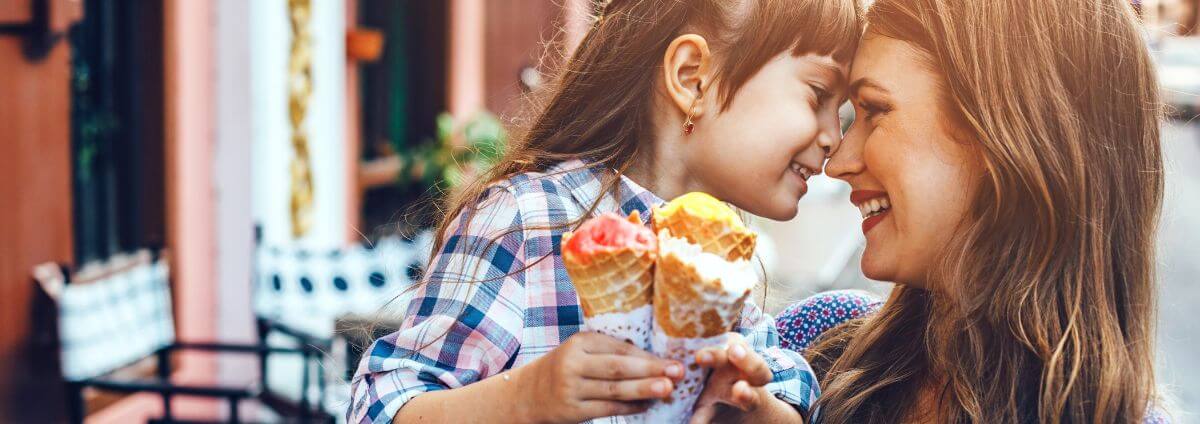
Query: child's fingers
(617, 367)
(704, 414)
(745, 397)
(751, 364)
(609, 408)
(596, 343)
(627, 390)
(712, 357)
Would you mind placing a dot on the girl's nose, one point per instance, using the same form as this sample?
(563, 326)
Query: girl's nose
(831, 133)
(846, 159)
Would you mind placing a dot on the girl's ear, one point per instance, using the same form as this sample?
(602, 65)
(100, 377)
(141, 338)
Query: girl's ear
(686, 71)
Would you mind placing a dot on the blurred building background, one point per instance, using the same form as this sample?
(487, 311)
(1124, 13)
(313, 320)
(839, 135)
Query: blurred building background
(279, 154)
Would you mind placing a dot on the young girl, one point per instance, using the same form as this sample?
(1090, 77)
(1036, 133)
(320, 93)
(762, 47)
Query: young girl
(737, 98)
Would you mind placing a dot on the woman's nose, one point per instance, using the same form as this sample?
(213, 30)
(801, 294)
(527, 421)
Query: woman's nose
(846, 158)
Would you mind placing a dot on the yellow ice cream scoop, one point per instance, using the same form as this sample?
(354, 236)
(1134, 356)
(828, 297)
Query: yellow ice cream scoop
(703, 206)
(708, 222)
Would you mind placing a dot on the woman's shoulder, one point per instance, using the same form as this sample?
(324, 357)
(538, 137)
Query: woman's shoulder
(803, 322)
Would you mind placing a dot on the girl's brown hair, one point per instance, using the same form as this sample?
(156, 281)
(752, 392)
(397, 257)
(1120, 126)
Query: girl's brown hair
(599, 106)
(1045, 304)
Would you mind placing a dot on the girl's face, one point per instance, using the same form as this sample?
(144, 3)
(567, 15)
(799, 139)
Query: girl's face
(758, 153)
(911, 179)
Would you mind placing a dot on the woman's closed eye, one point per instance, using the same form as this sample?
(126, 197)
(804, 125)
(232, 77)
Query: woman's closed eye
(872, 110)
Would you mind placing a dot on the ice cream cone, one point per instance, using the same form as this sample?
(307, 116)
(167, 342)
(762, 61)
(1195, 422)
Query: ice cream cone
(611, 263)
(687, 305)
(698, 298)
(619, 280)
(706, 221)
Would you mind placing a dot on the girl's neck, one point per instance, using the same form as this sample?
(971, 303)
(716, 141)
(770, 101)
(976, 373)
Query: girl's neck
(663, 169)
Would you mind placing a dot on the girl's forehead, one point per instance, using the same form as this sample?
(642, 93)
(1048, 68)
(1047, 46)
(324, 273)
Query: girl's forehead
(826, 66)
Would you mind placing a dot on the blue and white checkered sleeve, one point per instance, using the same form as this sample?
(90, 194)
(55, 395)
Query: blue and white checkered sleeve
(793, 379)
(463, 324)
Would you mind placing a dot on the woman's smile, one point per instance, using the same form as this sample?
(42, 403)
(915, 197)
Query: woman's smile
(873, 204)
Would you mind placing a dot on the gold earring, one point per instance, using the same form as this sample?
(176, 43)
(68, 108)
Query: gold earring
(689, 125)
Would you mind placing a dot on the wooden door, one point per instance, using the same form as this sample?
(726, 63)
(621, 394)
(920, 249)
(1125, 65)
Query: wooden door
(35, 198)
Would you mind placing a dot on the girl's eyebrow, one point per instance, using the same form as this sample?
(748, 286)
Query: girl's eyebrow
(830, 71)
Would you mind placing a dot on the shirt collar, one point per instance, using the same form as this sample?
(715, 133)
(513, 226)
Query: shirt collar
(586, 181)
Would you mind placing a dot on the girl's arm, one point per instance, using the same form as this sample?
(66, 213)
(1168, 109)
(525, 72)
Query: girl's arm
(489, 400)
(588, 376)
(792, 379)
(461, 333)
(463, 324)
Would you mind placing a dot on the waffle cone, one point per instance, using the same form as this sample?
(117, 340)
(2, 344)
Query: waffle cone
(688, 306)
(619, 280)
(716, 237)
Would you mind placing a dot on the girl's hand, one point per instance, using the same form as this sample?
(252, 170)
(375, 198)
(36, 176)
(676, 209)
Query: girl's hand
(592, 375)
(738, 379)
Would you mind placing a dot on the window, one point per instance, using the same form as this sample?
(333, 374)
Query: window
(117, 128)
(402, 94)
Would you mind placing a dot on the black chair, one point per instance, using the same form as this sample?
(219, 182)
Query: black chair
(122, 316)
(305, 294)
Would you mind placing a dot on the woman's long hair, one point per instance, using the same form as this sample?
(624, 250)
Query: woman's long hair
(1044, 307)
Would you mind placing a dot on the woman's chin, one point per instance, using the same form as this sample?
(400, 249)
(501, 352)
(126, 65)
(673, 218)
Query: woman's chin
(875, 267)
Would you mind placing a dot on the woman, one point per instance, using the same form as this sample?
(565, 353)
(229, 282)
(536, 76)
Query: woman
(1005, 156)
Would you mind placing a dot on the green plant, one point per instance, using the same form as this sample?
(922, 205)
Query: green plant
(460, 151)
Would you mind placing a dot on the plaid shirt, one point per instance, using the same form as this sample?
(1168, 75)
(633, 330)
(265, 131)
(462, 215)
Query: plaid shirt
(477, 316)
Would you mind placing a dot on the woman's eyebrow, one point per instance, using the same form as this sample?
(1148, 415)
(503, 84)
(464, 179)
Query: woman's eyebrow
(866, 82)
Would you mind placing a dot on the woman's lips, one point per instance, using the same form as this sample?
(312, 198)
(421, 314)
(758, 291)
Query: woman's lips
(874, 206)
(872, 221)
(858, 197)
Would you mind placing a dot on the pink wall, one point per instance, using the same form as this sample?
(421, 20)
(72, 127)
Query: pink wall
(190, 204)
(466, 57)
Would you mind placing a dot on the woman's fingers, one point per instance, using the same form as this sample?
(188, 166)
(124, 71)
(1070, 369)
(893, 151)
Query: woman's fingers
(626, 390)
(618, 367)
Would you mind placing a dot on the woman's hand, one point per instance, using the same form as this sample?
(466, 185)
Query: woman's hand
(592, 375)
(736, 390)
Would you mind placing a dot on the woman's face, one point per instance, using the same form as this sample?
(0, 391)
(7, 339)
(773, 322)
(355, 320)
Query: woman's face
(911, 179)
(759, 153)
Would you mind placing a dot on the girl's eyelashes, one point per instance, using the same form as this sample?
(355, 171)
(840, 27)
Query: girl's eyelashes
(822, 95)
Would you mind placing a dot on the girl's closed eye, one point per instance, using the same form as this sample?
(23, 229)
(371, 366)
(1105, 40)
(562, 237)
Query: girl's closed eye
(821, 95)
